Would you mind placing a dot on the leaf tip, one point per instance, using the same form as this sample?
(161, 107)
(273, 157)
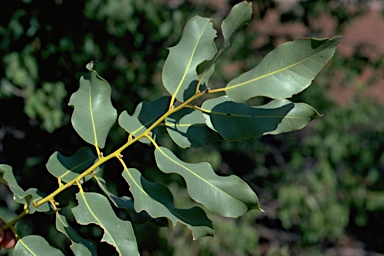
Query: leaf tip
(90, 65)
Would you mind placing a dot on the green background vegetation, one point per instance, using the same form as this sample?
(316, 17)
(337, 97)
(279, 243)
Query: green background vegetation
(321, 188)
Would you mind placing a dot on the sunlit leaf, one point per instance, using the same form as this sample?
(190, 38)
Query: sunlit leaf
(93, 114)
(35, 245)
(68, 168)
(157, 200)
(95, 208)
(19, 195)
(229, 196)
(287, 70)
(196, 46)
(79, 246)
(146, 113)
(238, 121)
(187, 128)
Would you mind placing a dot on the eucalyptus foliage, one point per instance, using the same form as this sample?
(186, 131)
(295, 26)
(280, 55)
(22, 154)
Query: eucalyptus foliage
(221, 113)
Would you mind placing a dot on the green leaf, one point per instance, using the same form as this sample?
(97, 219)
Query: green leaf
(157, 200)
(95, 208)
(196, 46)
(19, 195)
(146, 113)
(69, 168)
(238, 121)
(187, 128)
(229, 196)
(93, 114)
(287, 70)
(240, 15)
(79, 246)
(127, 203)
(35, 246)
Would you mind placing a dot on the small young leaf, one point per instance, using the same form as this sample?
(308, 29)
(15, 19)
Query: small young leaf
(187, 128)
(157, 200)
(196, 45)
(95, 208)
(238, 121)
(79, 246)
(287, 70)
(35, 245)
(239, 16)
(146, 113)
(229, 196)
(93, 114)
(68, 168)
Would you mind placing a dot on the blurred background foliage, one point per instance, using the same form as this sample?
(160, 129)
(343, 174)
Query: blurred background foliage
(321, 188)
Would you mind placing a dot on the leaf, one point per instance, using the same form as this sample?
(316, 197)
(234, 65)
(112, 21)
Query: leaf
(93, 114)
(36, 246)
(196, 46)
(229, 196)
(19, 195)
(240, 15)
(127, 203)
(239, 121)
(79, 246)
(69, 168)
(95, 208)
(146, 113)
(187, 128)
(157, 200)
(287, 70)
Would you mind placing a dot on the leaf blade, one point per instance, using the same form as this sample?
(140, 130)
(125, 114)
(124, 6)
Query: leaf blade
(239, 15)
(35, 245)
(287, 70)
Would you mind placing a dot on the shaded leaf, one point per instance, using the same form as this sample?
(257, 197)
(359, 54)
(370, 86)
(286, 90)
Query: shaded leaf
(93, 114)
(35, 245)
(146, 113)
(229, 196)
(79, 246)
(196, 46)
(157, 200)
(69, 168)
(187, 128)
(287, 70)
(95, 208)
(19, 195)
(240, 15)
(238, 121)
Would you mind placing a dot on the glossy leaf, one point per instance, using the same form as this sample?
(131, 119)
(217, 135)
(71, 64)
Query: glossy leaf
(95, 208)
(287, 70)
(35, 245)
(187, 128)
(240, 15)
(157, 200)
(238, 121)
(196, 46)
(79, 246)
(19, 195)
(93, 114)
(146, 113)
(229, 196)
(68, 168)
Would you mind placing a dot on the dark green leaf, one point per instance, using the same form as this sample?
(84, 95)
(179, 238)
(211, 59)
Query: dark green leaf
(93, 114)
(285, 71)
(238, 121)
(68, 168)
(229, 196)
(196, 46)
(79, 246)
(157, 200)
(33, 246)
(146, 113)
(95, 208)
(187, 128)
